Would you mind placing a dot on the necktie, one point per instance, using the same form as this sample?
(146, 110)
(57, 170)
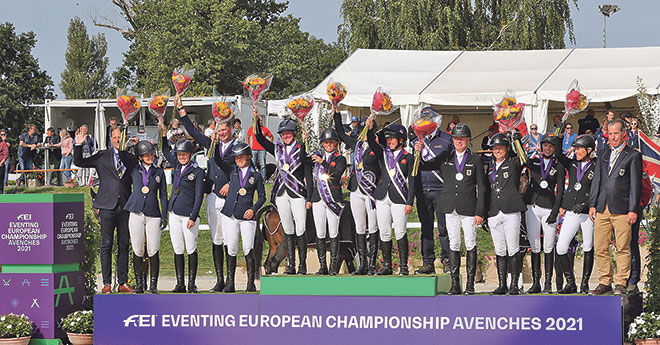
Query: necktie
(118, 164)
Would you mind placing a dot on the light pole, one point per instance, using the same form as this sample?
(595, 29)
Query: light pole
(606, 11)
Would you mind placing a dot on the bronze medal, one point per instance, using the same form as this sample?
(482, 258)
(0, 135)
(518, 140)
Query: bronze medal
(242, 191)
(145, 190)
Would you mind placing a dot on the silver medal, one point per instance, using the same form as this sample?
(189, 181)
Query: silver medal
(459, 177)
(543, 184)
(578, 186)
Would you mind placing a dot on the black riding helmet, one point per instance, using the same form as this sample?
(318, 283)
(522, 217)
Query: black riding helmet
(144, 147)
(549, 138)
(586, 141)
(287, 125)
(241, 149)
(461, 130)
(328, 134)
(184, 145)
(498, 139)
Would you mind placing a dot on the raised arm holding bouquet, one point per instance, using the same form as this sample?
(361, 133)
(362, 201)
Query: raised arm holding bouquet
(575, 103)
(426, 122)
(301, 106)
(181, 78)
(508, 114)
(129, 105)
(158, 106)
(222, 112)
(380, 105)
(255, 86)
(336, 92)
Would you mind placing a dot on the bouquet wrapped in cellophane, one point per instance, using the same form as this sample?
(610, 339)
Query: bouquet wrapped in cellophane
(222, 111)
(425, 123)
(381, 104)
(336, 92)
(575, 102)
(300, 107)
(129, 105)
(508, 114)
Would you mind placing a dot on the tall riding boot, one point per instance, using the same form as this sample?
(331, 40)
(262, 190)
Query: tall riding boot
(334, 256)
(362, 254)
(515, 275)
(218, 262)
(301, 241)
(320, 250)
(471, 268)
(536, 273)
(154, 269)
(373, 253)
(249, 262)
(501, 275)
(290, 244)
(231, 272)
(192, 272)
(178, 269)
(386, 270)
(587, 267)
(548, 264)
(139, 277)
(403, 255)
(565, 263)
(455, 271)
(559, 277)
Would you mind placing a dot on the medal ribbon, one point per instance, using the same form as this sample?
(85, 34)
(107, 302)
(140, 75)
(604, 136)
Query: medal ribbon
(493, 173)
(145, 174)
(398, 179)
(180, 174)
(224, 152)
(461, 165)
(243, 179)
(581, 170)
(545, 170)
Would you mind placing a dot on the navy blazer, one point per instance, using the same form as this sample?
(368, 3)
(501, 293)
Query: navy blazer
(191, 190)
(148, 203)
(237, 204)
(113, 190)
(620, 189)
(369, 161)
(385, 186)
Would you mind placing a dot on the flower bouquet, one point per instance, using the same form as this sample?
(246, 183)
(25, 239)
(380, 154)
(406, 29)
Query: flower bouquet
(301, 106)
(222, 112)
(575, 103)
(255, 85)
(181, 78)
(425, 123)
(336, 92)
(380, 105)
(158, 102)
(508, 114)
(129, 105)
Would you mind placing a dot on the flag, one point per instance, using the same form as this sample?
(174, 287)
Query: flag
(650, 149)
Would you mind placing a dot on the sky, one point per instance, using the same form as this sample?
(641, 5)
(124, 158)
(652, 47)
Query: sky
(634, 26)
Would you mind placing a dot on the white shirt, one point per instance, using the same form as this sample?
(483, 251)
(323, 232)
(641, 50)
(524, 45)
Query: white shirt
(225, 146)
(459, 156)
(498, 165)
(208, 132)
(615, 154)
(244, 171)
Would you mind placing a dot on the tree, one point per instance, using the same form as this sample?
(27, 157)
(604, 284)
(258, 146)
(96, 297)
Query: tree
(224, 41)
(455, 24)
(22, 82)
(85, 74)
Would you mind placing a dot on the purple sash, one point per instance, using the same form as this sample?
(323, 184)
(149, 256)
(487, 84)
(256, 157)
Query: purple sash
(427, 154)
(324, 189)
(366, 180)
(399, 179)
(286, 178)
(582, 170)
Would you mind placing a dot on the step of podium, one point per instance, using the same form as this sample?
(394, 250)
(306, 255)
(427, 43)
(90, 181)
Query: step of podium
(347, 285)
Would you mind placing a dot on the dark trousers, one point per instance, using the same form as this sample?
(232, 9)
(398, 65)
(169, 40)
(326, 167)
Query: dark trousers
(110, 220)
(428, 205)
(2, 175)
(635, 259)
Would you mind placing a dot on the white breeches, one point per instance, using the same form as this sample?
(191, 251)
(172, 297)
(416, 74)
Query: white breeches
(141, 227)
(321, 212)
(454, 223)
(293, 214)
(391, 215)
(214, 205)
(363, 213)
(505, 230)
(233, 228)
(535, 219)
(182, 237)
(570, 227)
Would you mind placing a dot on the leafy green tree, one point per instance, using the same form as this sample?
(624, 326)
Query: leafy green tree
(85, 74)
(22, 82)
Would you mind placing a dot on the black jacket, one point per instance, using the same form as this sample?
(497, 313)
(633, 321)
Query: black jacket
(191, 190)
(148, 203)
(335, 168)
(505, 191)
(545, 197)
(237, 204)
(620, 189)
(385, 186)
(572, 196)
(468, 196)
(369, 162)
(113, 190)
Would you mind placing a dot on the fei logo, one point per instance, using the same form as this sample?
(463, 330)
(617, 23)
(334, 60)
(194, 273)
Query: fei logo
(140, 320)
(24, 216)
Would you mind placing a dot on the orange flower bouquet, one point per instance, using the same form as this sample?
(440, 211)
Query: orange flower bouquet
(301, 106)
(380, 105)
(256, 85)
(222, 112)
(575, 102)
(426, 122)
(181, 78)
(336, 92)
(508, 114)
(129, 105)
(158, 102)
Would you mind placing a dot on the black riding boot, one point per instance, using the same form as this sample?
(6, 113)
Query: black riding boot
(471, 268)
(455, 271)
(536, 273)
(565, 263)
(559, 277)
(301, 241)
(587, 267)
(515, 275)
(290, 244)
(362, 254)
(548, 264)
(321, 252)
(139, 276)
(373, 253)
(154, 269)
(218, 262)
(403, 255)
(501, 275)
(192, 272)
(386, 270)
(334, 256)
(231, 273)
(178, 269)
(249, 261)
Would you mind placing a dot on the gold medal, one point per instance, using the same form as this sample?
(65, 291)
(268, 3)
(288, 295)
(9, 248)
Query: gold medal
(242, 191)
(392, 172)
(360, 165)
(145, 189)
(285, 166)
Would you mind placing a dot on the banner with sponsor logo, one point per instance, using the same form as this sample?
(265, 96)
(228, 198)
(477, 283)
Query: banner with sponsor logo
(255, 319)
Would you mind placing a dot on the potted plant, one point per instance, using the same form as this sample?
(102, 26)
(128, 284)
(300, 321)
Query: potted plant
(645, 329)
(15, 329)
(79, 327)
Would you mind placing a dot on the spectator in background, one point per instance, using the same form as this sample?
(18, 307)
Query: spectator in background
(7, 162)
(354, 129)
(534, 148)
(66, 146)
(589, 122)
(210, 128)
(456, 120)
(27, 149)
(567, 141)
(113, 123)
(54, 154)
(258, 151)
(239, 132)
(88, 149)
(633, 133)
(492, 130)
(601, 137)
(4, 156)
(556, 123)
(176, 132)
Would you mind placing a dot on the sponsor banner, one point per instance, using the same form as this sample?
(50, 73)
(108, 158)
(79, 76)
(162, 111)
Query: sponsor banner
(255, 319)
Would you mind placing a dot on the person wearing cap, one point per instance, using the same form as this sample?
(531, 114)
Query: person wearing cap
(394, 194)
(354, 127)
(184, 205)
(543, 199)
(505, 207)
(146, 219)
(576, 212)
(327, 202)
(463, 203)
(216, 185)
(239, 211)
(112, 166)
(290, 193)
(363, 175)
